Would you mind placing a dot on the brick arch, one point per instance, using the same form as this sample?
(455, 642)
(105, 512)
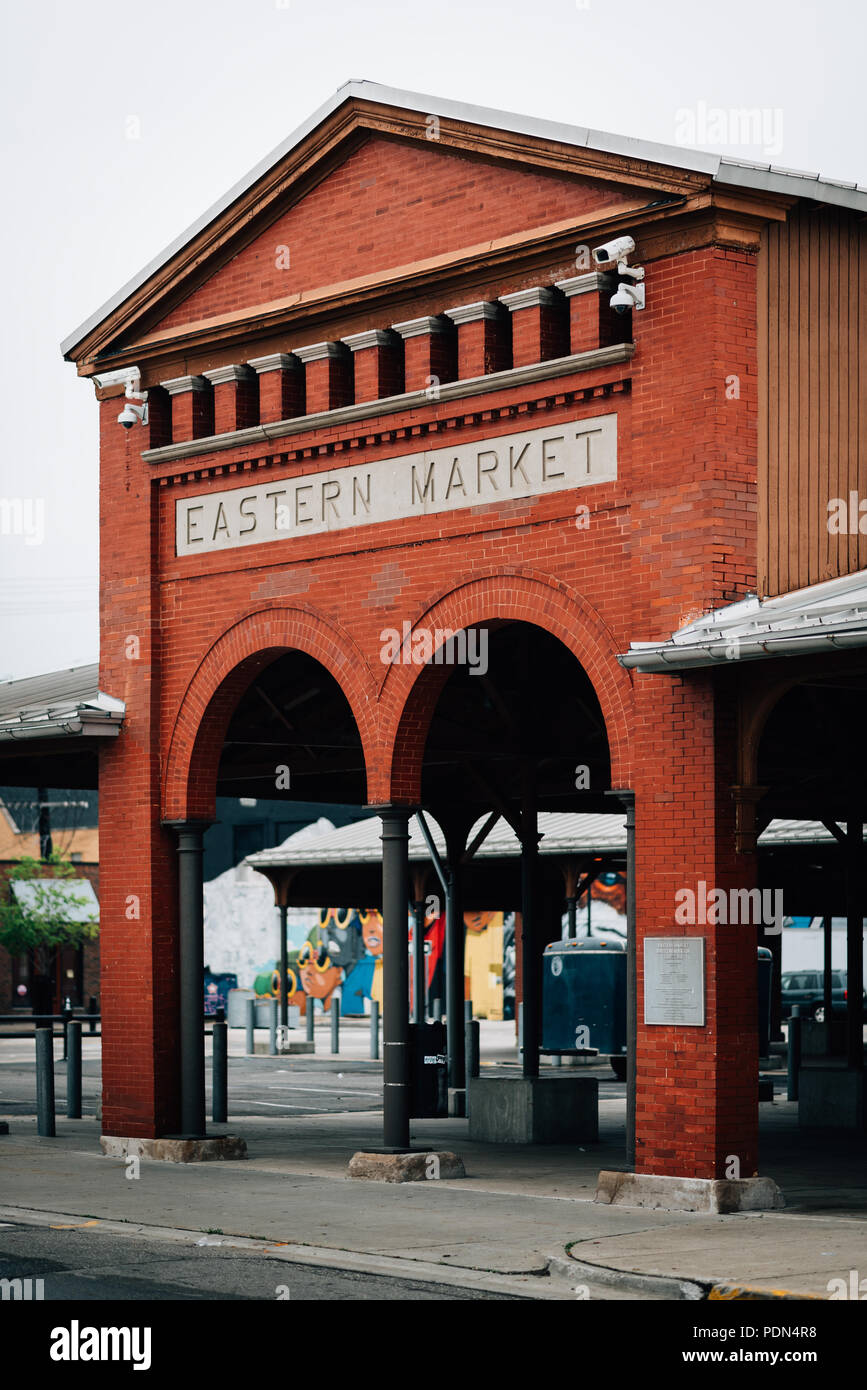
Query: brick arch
(409, 694)
(225, 673)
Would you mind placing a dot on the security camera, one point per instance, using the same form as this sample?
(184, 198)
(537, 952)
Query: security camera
(627, 297)
(616, 250)
(132, 414)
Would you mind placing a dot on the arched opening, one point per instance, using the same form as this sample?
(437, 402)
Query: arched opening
(510, 736)
(278, 738)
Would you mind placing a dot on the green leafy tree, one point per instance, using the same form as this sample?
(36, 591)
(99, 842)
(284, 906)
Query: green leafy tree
(40, 919)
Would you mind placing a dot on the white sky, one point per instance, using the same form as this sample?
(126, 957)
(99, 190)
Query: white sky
(216, 84)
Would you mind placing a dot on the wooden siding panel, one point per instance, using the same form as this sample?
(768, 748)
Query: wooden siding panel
(812, 306)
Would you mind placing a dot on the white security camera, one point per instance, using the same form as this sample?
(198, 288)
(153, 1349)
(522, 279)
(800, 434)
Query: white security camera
(627, 297)
(616, 250)
(132, 414)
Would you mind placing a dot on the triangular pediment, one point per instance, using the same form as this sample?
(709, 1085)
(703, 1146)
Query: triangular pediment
(366, 193)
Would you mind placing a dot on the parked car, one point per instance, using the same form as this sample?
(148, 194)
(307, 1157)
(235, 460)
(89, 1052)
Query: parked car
(806, 987)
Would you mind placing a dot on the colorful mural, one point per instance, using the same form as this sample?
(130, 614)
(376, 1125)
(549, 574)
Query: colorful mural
(342, 957)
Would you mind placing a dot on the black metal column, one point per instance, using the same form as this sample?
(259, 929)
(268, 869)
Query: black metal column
(626, 798)
(530, 962)
(192, 967)
(455, 948)
(856, 903)
(284, 970)
(395, 984)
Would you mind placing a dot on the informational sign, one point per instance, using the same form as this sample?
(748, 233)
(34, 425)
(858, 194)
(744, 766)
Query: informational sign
(674, 980)
(530, 464)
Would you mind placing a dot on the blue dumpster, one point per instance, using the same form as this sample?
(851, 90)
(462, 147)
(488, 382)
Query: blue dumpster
(584, 997)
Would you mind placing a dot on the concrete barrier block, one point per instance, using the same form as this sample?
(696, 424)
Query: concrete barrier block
(534, 1109)
(406, 1167)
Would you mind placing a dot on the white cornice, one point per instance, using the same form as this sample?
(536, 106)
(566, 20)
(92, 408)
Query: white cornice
(532, 298)
(218, 376)
(592, 281)
(371, 337)
(275, 362)
(470, 313)
(317, 352)
(179, 384)
(417, 328)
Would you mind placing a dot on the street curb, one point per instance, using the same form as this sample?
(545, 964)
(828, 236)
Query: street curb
(532, 1287)
(566, 1267)
(693, 1290)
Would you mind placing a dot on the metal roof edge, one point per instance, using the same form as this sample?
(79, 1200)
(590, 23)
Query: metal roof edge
(677, 156)
(772, 180)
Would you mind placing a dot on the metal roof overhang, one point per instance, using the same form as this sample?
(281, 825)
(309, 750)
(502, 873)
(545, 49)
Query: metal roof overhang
(831, 616)
(51, 727)
(59, 704)
(343, 866)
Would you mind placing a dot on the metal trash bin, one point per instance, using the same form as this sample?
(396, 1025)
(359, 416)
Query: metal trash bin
(428, 1071)
(584, 988)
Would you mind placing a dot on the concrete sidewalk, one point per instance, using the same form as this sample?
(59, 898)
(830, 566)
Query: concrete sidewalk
(512, 1221)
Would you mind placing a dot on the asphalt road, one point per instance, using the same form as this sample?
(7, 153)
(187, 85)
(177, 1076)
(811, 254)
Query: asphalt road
(92, 1266)
(257, 1085)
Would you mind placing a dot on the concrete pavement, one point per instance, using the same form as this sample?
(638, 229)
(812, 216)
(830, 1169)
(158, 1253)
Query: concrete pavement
(516, 1219)
(517, 1209)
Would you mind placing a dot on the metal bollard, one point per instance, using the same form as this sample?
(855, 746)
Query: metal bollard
(794, 1052)
(374, 1030)
(45, 1083)
(251, 1026)
(335, 1026)
(92, 1009)
(220, 1097)
(468, 1011)
(471, 1047)
(310, 1017)
(272, 1027)
(520, 1029)
(73, 1071)
(437, 1011)
(67, 1015)
(556, 1060)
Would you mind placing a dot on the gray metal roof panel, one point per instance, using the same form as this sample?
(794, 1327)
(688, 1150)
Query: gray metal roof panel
(678, 156)
(562, 833)
(59, 702)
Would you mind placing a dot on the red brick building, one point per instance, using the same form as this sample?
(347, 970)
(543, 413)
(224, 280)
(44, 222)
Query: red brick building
(385, 387)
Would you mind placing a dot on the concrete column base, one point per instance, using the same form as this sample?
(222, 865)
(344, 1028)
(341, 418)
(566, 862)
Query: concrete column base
(534, 1109)
(406, 1167)
(173, 1150)
(262, 1049)
(716, 1196)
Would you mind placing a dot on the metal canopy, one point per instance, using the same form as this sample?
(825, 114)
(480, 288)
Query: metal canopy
(820, 618)
(565, 833)
(58, 704)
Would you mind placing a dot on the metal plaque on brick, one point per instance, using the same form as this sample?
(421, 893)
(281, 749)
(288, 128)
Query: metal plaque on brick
(674, 980)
